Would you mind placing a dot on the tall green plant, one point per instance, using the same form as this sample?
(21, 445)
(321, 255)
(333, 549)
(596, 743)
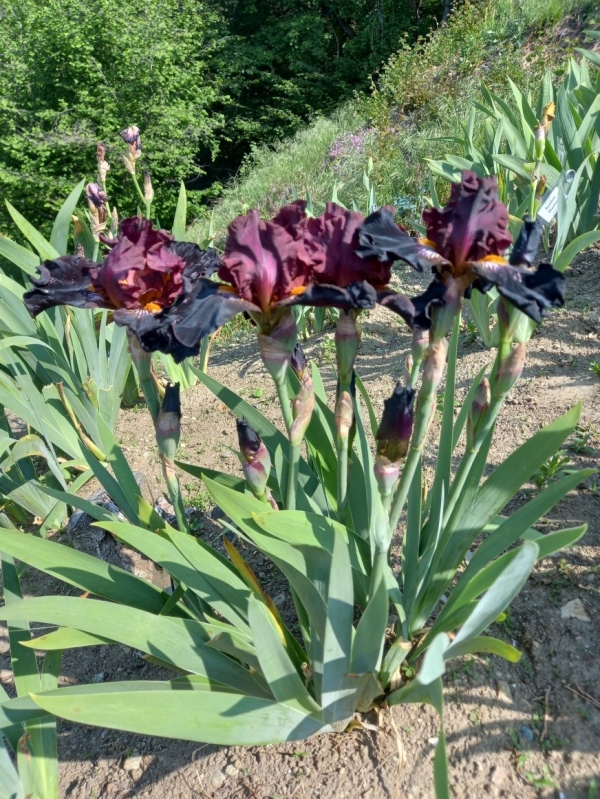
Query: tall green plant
(562, 180)
(319, 504)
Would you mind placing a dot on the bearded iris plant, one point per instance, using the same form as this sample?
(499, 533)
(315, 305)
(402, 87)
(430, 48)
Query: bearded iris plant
(317, 502)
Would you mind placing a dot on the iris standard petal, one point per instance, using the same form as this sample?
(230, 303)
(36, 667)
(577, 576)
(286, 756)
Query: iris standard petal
(528, 242)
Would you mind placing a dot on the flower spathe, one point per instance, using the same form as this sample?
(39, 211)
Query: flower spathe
(465, 245)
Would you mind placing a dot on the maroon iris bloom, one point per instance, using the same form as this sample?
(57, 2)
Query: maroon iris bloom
(142, 276)
(465, 244)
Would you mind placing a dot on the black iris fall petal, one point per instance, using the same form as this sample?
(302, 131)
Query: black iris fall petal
(531, 292)
(179, 330)
(360, 296)
(381, 238)
(64, 281)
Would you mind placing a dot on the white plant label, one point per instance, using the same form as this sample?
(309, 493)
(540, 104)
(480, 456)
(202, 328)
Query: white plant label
(550, 207)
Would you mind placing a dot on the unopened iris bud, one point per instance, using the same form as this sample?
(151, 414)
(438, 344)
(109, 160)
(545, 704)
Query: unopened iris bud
(395, 429)
(420, 342)
(276, 348)
(77, 227)
(97, 199)
(148, 190)
(129, 166)
(541, 187)
(103, 165)
(435, 362)
(302, 408)
(344, 415)
(114, 222)
(510, 370)
(168, 426)
(479, 406)
(298, 361)
(542, 130)
(255, 459)
(347, 341)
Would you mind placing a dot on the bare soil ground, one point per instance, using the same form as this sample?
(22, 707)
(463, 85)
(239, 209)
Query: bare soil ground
(525, 730)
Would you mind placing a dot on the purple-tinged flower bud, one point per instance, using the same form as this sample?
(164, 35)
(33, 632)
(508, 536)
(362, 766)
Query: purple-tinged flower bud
(79, 251)
(344, 415)
(347, 340)
(395, 429)
(302, 408)
(386, 475)
(435, 361)
(148, 190)
(298, 361)
(168, 425)
(276, 348)
(479, 406)
(97, 199)
(131, 136)
(509, 370)
(255, 459)
(96, 196)
(103, 165)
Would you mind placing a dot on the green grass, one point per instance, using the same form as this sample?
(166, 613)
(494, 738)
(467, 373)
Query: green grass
(423, 94)
(271, 175)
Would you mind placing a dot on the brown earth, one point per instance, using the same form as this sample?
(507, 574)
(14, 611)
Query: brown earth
(525, 730)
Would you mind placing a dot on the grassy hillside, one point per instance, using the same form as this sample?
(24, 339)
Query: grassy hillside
(420, 97)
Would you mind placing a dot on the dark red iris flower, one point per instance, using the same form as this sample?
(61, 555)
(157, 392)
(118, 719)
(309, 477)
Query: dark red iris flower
(269, 266)
(144, 274)
(465, 245)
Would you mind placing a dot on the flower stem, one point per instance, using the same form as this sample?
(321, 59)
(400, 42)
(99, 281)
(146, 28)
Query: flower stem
(142, 362)
(174, 489)
(292, 481)
(342, 482)
(284, 401)
(425, 407)
(146, 204)
(488, 422)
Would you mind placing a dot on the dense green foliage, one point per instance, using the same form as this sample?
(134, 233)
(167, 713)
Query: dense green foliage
(202, 80)
(77, 72)
(422, 95)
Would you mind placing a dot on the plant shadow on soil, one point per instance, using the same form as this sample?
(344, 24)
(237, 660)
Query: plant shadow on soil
(513, 730)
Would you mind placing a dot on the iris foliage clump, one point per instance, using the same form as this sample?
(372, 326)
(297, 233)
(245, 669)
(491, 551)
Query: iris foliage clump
(313, 496)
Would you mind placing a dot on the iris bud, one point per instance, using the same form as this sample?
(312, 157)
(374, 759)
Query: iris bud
(168, 426)
(344, 414)
(298, 361)
(479, 406)
(347, 340)
(510, 370)
(148, 190)
(302, 408)
(395, 429)
(255, 459)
